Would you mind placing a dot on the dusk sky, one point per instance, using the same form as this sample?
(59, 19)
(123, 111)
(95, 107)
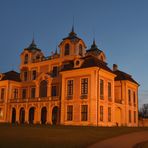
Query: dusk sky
(120, 28)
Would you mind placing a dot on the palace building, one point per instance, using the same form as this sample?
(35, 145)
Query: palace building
(74, 86)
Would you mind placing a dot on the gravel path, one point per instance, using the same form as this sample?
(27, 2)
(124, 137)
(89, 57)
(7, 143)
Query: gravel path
(123, 141)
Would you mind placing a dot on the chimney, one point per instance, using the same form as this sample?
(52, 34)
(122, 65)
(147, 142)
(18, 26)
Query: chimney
(115, 67)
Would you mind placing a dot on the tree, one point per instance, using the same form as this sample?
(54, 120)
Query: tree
(143, 112)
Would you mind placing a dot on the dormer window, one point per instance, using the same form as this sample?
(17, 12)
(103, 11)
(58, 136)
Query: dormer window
(67, 47)
(37, 57)
(80, 50)
(102, 59)
(26, 59)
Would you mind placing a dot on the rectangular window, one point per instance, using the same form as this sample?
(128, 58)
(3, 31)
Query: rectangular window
(109, 90)
(69, 112)
(55, 71)
(54, 90)
(69, 88)
(1, 113)
(134, 97)
(25, 75)
(101, 113)
(84, 86)
(2, 93)
(129, 116)
(33, 74)
(135, 116)
(129, 96)
(84, 112)
(33, 92)
(15, 94)
(101, 89)
(109, 114)
(24, 93)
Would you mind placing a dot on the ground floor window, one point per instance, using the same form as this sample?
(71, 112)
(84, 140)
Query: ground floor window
(1, 113)
(69, 112)
(109, 114)
(134, 116)
(84, 112)
(101, 113)
(129, 116)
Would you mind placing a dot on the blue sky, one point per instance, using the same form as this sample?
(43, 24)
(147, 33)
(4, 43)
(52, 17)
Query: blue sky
(120, 26)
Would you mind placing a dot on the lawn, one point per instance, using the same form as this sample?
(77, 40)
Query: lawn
(38, 136)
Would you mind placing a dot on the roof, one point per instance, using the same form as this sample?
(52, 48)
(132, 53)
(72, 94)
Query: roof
(32, 47)
(72, 36)
(94, 49)
(11, 75)
(89, 61)
(124, 76)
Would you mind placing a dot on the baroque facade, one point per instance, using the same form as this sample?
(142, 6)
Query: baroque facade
(72, 87)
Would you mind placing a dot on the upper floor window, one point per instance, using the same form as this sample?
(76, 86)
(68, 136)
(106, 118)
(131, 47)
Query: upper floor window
(129, 96)
(84, 112)
(43, 88)
(55, 71)
(54, 90)
(24, 93)
(15, 93)
(69, 112)
(26, 59)
(34, 74)
(33, 90)
(69, 88)
(67, 49)
(101, 89)
(80, 50)
(25, 75)
(109, 90)
(134, 97)
(37, 57)
(2, 93)
(84, 86)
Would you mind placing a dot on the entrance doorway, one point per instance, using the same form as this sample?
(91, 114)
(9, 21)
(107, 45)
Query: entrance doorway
(118, 116)
(22, 115)
(13, 115)
(43, 115)
(31, 115)
(55, 116)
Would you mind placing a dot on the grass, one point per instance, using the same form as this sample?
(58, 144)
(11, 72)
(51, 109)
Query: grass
(37, 136)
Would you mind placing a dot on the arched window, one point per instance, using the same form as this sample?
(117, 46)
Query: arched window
(26, 59)
(80, 50)
(102, 59)
(43, 89)
(67, 51)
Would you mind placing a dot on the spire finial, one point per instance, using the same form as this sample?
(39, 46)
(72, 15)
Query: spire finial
(94, 41)
(32, 45)
(72, 33)
(56, 51)
(33, 38)
(72, 30)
